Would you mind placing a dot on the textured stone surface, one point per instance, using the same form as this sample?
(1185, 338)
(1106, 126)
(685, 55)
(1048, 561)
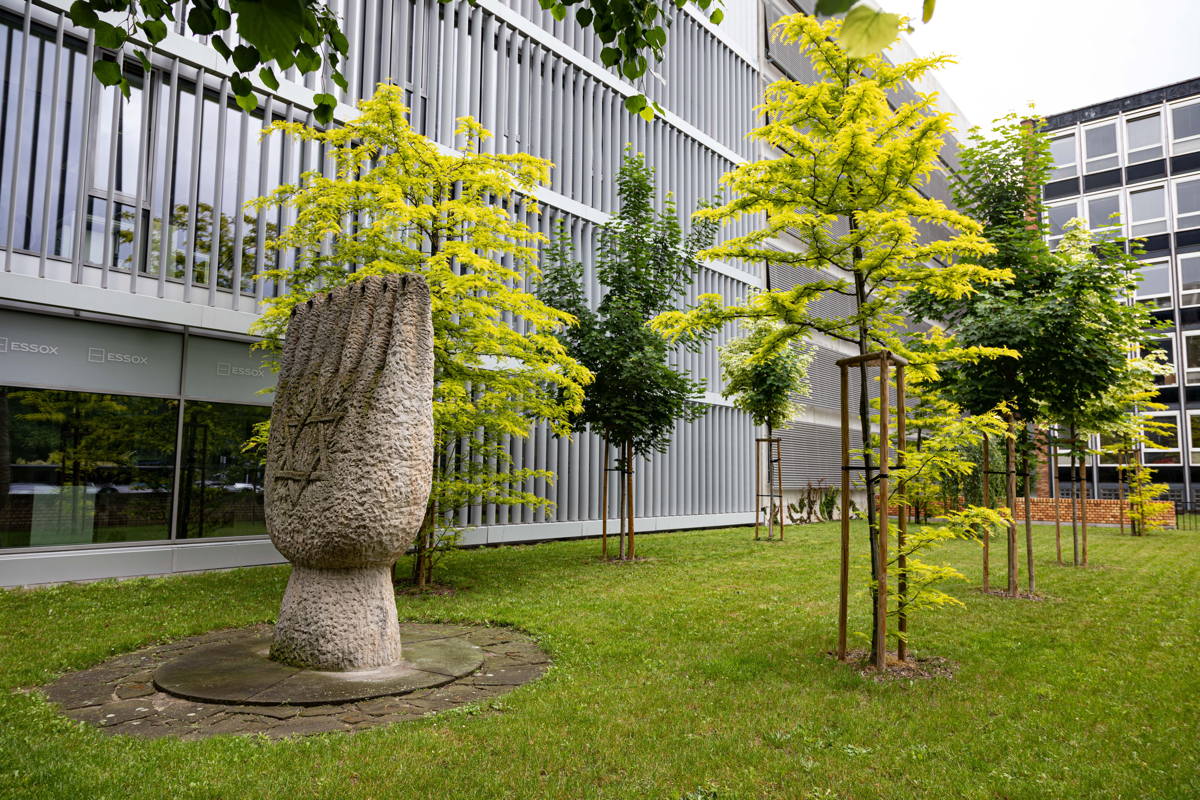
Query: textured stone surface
(92, 695)
(349, 464)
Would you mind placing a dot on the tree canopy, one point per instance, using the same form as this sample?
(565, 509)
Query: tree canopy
(396, 203)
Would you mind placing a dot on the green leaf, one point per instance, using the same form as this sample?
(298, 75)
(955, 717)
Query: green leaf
(610, 56)
(340, 42)
(275, 27)
(635, 103)
(107, 72)
(716, 17)
(866, 31)
(267, 76)
(218, 43)
(340, 80)
(200, 21)
(558, 11)
(245, 57)
(109, 36)
(241, 85)
(927, 10)
(156, 30)
(221, 18)
(324, 110)
(247, 102)
(647, 114)
(827, 8)
(142, 57)
(156, 9)
(584, 17)
(83, 15)
(307, 59)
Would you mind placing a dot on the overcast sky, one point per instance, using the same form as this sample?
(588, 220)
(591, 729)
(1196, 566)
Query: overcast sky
(1057, 54)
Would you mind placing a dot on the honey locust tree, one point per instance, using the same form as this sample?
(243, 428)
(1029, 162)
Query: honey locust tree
(844, 182)
(397, 203)
(644, 263)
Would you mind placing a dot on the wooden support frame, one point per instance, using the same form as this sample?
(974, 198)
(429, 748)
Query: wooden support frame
(886, 361)
(774, 485)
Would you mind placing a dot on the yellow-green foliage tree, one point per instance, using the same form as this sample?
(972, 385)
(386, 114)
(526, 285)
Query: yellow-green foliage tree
(397, 203)
(1124, 429)
(844, 183)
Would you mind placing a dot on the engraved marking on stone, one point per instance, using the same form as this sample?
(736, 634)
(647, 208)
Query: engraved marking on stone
(316, 469)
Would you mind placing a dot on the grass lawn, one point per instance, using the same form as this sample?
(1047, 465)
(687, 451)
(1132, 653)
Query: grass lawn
(700, 673)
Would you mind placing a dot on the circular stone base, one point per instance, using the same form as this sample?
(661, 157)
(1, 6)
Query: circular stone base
(119, 696)
(239, 670)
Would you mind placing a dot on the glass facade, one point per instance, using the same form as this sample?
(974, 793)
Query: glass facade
(112, 433)
(221, 487)
(87, 468)
(83, 468)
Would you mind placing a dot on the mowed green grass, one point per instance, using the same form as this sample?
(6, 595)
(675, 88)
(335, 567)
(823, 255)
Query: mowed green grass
(699, 673)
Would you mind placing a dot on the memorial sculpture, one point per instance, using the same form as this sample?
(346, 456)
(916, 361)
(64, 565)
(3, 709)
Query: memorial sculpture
(349, 465)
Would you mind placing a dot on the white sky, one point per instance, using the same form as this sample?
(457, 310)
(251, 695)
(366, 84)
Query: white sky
(1057, 54)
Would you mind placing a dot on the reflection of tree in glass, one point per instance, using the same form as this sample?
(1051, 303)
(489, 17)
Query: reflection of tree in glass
(178, 244)
(222, 484)
(112, 443)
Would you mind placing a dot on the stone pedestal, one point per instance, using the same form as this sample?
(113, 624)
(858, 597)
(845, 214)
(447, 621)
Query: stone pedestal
(338, 619)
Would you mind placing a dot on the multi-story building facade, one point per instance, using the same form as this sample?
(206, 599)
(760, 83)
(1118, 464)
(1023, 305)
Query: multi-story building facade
(1138, 157)
(126, 380)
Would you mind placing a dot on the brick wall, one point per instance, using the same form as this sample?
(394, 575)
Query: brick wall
(1105, 512)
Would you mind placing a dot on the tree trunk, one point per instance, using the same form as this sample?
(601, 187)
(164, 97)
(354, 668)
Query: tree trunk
(864, 421)
(1083, 507)
(630, 552)
(604, 502)
(1055, 495)
(986, 471)
(1010, 492)
(1074, 498)
(1030, 443)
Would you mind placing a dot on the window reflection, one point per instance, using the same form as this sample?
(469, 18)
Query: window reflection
(221, 487)
(77, 467)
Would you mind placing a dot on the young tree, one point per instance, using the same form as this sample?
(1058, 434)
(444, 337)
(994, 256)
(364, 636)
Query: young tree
(1093, 326)
(998, 184)
(1120, 420)
(645, 261)
(765, 386)
(397, 204)
(845, 158)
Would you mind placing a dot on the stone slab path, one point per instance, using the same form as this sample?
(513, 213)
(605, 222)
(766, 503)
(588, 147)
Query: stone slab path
(119, 697)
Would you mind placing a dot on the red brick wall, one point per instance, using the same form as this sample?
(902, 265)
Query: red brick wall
(1106, 512)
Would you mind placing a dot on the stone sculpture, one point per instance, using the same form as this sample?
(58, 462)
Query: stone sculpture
(349, 463)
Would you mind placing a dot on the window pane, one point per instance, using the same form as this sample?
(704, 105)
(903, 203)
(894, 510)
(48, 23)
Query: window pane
(1143, 138)
(1189, 277)
(1156, 280)
(1059, 216)
(84, 467)
(1163, 440)
(115, 250)
(1191, 346)
(1187, 204)
(1148, 211)
(1101, 210)
(1194, 431)
(1167, 346)
(1185, 122)
(1100, 146)
(222, 491)
(1063, 153)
